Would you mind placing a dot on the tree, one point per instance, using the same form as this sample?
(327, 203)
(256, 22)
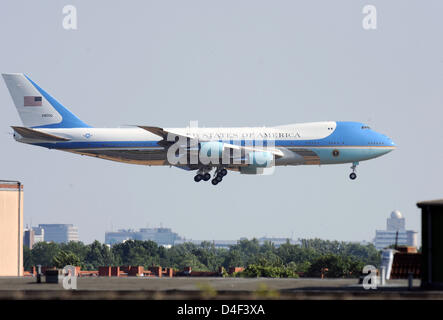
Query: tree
(338, 266)
(27, 258)
(135, 252)
(76, 247)
(65, 258)
(233, 259)
(343, 259)
(43, 253)
(97, 255)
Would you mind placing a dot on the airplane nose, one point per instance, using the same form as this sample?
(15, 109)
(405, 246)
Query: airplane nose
(388, 141)
(391, 143)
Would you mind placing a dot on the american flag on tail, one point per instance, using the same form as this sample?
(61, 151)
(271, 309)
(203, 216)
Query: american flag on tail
(33, 101)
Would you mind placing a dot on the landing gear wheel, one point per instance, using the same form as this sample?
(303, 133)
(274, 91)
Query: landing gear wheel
(223, 172)
(206, 176)
(198, 178)
(353, 175)
(214, 182)
(219, 178)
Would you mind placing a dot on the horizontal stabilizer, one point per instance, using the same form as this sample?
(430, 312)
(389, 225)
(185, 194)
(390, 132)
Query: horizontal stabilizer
(29, 133)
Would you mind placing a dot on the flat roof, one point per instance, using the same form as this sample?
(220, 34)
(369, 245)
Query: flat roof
(430, 203)
(6, 185)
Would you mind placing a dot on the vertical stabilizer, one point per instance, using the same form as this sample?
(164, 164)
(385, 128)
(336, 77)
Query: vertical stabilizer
(37, 109)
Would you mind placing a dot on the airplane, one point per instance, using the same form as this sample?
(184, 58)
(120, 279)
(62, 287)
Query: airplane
(247, 150)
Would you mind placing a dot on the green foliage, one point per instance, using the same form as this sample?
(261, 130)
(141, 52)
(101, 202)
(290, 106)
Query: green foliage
(43, 253)
(341, 258)
(256, 270)
(270, 268)
(65, 258)
(97, 254)
(135, 252)
(27, 258)
(338, 266)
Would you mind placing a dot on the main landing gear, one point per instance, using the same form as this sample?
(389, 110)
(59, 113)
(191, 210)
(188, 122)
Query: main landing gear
(353, 175)
(205, 176)
(202, 174)
(218, 176)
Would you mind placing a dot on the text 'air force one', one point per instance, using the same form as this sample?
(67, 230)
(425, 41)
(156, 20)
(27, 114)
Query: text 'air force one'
(248, 150)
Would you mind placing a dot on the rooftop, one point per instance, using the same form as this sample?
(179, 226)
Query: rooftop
(430, 203)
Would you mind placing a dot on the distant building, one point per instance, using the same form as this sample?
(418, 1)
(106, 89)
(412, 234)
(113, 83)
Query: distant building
(165, 237)
(396, 223)
(225, 244)
(119, 236)
(39, 234)
(59, 233)
(162, 236)
(221, 244)
(277, 242)
(28, 238)
(33, 235)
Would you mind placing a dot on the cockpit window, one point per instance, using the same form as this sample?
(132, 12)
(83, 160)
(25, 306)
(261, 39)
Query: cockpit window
(365, 127)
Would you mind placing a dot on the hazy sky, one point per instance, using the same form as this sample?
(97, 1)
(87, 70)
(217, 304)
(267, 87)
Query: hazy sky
(229, 63)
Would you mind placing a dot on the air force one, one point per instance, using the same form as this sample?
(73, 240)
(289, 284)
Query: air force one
(252, 150)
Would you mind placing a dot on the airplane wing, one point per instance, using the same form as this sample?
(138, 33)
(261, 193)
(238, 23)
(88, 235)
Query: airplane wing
(227, 146)
(29, 133)
(162, 132)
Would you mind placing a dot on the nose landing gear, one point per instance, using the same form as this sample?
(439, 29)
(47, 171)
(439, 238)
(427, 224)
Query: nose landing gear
(353, 175)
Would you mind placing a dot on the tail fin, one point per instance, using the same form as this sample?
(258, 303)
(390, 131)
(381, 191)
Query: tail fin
(36, 107)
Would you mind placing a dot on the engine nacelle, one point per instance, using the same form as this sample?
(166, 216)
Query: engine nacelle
(251, 170)
(261, 159)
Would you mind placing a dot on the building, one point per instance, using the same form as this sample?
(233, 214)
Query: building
(277, 242)
(395, 231)
(432, 244)
(226, 244)
(33, 235)
(59, 233)
(11, 228)
(221, 244)
(119, 236)
(162, 236)
(165, 237)
(39, 234)
(28, 238)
